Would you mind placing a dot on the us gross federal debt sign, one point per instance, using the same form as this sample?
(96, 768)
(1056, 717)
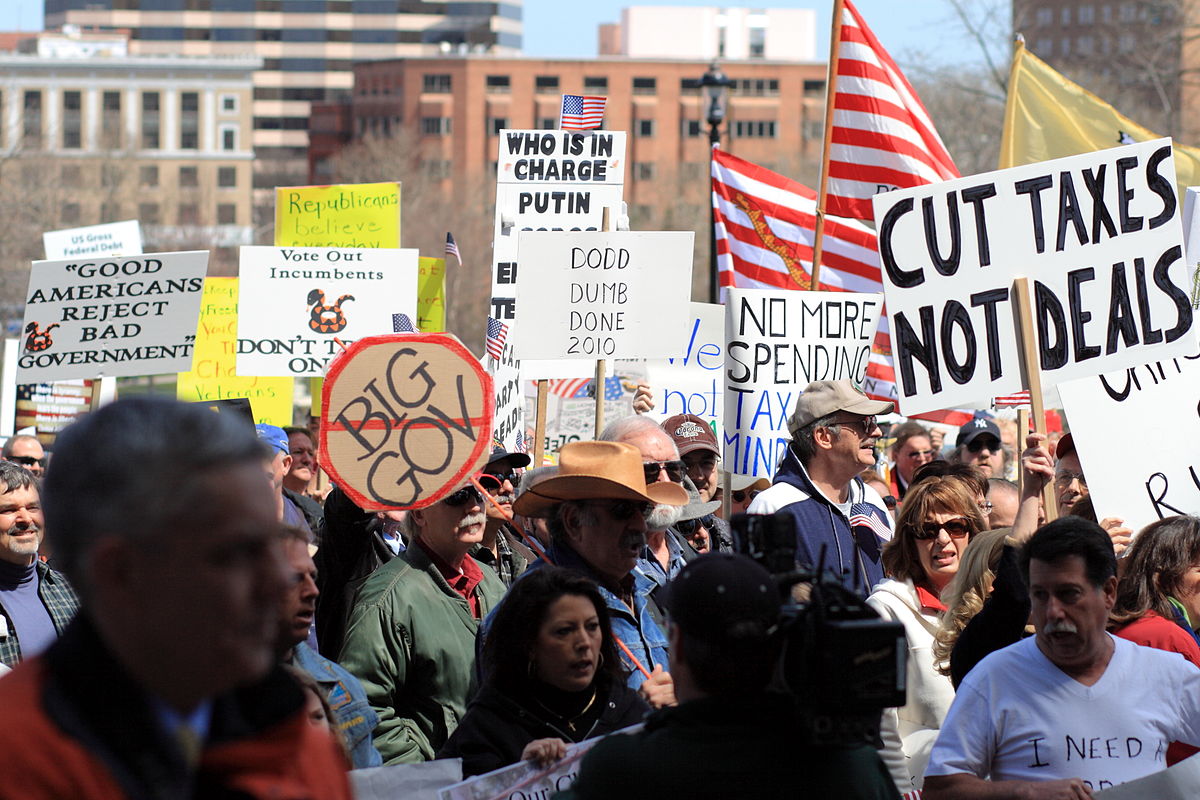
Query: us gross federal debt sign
(111, 316)
(777, 342)
(405, 419)
(1099, 238)
(604, 295)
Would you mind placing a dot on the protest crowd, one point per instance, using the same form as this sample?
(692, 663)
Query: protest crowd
(789, 543)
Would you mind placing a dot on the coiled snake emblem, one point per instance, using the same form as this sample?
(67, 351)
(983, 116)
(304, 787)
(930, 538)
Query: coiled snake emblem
(39, 340)
(323, 318)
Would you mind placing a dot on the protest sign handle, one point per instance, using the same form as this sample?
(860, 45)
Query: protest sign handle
(1022, 432)
(1033, 375)
(830, 91)
(599, 392)
(97, 387)
(539, 425)
(726, 497)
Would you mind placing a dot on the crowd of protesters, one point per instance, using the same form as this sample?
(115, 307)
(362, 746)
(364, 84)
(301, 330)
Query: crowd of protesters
(184, 613)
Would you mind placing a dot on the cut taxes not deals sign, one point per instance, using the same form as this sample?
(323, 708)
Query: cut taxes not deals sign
(121, 316)
(604, 295)
(1097, 235)
(777, 342)
(296, 303)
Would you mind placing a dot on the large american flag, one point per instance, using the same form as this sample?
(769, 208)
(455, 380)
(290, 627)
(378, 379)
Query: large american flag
(764, 228)
(882, 136)
(581, 112)
(497, 332)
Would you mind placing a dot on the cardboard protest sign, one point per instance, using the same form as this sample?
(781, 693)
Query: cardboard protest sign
(1097, 234)
(295, 301)
(344, 215)
(604, 295)
(1180, 781)
(110, 239)
(45, 408)
(421, 781)
(1159, 401)
(213, 376)
(406, 419)
(431, 294)
(777, 342)
(571, 406)
(550, 181)
(509, 430)
(120, 316)
(691, 381)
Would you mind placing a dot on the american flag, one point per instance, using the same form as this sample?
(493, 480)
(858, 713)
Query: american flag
(882, 135)
(764, 228)
(402, 324)
(868, 515)
(452, 248)
(1013, 400)
(568, 387)
(497, 332)
(581, 112)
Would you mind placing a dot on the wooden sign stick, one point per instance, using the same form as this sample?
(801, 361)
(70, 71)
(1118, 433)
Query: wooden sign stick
(598, 383)
(1022, 432)
(1033, 375)
(539, 425)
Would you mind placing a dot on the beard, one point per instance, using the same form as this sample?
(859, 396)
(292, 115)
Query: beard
(663, 516)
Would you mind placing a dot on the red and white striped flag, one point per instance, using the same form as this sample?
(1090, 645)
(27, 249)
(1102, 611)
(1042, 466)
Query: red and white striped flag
(883, 138)
(567, 387)
(1014, 400)
(765, 225)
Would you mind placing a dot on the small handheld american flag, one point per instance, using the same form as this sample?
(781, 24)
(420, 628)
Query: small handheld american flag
(497, 332)
(452, 249)
(581, 112)
(402, 324)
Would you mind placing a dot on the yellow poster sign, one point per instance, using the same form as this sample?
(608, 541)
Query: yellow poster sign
(342, 215)
(431, 295)
(212, 376)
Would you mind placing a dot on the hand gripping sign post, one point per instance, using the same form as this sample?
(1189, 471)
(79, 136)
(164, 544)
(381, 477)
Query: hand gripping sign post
(405, 419)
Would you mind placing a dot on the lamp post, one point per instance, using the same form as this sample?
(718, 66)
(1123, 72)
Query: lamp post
(715, 84)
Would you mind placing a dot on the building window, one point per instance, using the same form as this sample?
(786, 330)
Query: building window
(189, 177)
(545, 84)
(497, 124)
(758, 42)
(1066, 46)
(72, 176)
(72, 122)
(692, 171)
(1128, 12)
(689, 85)
(644, 127)
(761, 87)
(595, 83)
(70, 214)
(112, 128)
(32, 123)
(189, 214)
(1066, 15)
(226, 214)
(435, 84)
(227, 177)
(110, 211)
(150, 121)
(1087, 15)
(547, 123)
(814, 129)
(435, 126)
(148, 213)
(148, 176)
(1126, 43)
(645, 86)
(644, 171)
(228, 137)
(1044, 46)
(189, 120)
(1106, 13)
(814, 88)
(1085, 46)
(498, 84)
(437, 168)
(1045, 16)
(754, 129)
(112, 175)
(229, 103)
(692, 128)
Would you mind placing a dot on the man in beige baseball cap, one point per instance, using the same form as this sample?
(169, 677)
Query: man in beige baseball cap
(817, 487)
(597, 504)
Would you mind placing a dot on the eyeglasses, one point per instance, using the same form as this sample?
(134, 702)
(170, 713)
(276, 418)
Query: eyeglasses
(980, 442)
(861, 426)
(27, 461)
(625, 510)
(957, 528)
(920, 454)
(741, 496)
(511, 476)
(469, 494)
(986, 507)
(1062, 479)
(688, 526)
(675, 470)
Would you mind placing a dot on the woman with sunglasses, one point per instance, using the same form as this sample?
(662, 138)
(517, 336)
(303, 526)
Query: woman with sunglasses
(554, 676)
(937, 520)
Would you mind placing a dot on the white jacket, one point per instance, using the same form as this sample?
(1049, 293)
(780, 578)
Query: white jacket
(909, 732)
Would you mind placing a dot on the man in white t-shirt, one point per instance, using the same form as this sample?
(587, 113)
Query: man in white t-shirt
(1072, 710)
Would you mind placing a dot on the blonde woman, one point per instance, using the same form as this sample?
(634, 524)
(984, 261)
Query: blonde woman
(965, 595)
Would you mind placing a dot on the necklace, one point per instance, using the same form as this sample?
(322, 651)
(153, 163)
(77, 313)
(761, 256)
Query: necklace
(570, 720)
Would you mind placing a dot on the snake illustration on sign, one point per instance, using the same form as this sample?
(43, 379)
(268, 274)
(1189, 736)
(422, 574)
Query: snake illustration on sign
(406, 419)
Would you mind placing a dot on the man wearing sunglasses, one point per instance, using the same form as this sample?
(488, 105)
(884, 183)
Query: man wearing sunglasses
(839, 520)
(26, 451)
(978, 445)
(501, 548)
(411, 635)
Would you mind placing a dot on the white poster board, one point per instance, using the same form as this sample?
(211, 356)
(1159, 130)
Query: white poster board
(1098, 236)
(1159, 401)
(1178, 782)
(691, 381)
(777, 342)
(128, 315)
(597, 295)
(110, 239)
(295, 301)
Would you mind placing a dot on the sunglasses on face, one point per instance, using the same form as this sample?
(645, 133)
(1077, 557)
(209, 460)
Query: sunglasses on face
(688, 526)
(625, 510)
(1063, 479)
(469, 494)
(511, 476)
(675, 470)
(981, 442)
(27, 461)
(957, 528)
(862, 426)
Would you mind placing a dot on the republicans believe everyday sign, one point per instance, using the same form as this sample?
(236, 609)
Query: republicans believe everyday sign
(1098, 237)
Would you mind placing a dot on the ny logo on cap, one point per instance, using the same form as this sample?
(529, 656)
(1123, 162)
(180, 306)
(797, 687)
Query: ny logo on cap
(981, 423)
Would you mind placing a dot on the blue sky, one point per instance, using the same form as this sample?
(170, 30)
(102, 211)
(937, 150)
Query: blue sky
(909, 29)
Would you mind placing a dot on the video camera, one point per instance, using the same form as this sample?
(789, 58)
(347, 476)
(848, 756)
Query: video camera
(842, 662)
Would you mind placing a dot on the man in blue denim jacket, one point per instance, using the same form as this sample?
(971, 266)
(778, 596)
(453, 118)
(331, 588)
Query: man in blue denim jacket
(352, 713)
(597, 504)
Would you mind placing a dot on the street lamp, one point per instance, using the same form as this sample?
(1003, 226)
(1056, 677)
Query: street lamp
(715, 84)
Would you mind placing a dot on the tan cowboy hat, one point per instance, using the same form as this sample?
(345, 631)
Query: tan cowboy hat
(597, 471)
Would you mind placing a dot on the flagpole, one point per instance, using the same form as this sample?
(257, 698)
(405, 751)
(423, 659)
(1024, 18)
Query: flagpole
(835, 36)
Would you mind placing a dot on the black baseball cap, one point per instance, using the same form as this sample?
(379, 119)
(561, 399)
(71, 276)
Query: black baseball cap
(518, 460)
(725, 597)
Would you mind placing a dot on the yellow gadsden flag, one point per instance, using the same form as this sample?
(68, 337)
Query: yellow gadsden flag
(1048, 116)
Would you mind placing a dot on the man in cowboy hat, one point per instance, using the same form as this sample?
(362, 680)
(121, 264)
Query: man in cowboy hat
(597, 504)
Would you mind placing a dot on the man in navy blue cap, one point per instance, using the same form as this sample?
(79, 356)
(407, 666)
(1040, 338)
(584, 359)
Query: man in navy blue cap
(978, 445)
(501, 548)
(277, 462)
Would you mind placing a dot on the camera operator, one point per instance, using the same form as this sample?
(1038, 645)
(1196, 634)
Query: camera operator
(729, 736)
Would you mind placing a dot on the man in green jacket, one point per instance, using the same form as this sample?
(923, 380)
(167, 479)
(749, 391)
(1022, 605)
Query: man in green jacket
(411, 635)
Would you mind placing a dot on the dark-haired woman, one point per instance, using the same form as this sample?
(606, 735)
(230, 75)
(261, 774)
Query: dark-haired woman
(553, 676)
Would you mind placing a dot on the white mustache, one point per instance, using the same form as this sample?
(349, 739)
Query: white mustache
(1059, 626)
(504, 498)
(473, 519)
(663, 516)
